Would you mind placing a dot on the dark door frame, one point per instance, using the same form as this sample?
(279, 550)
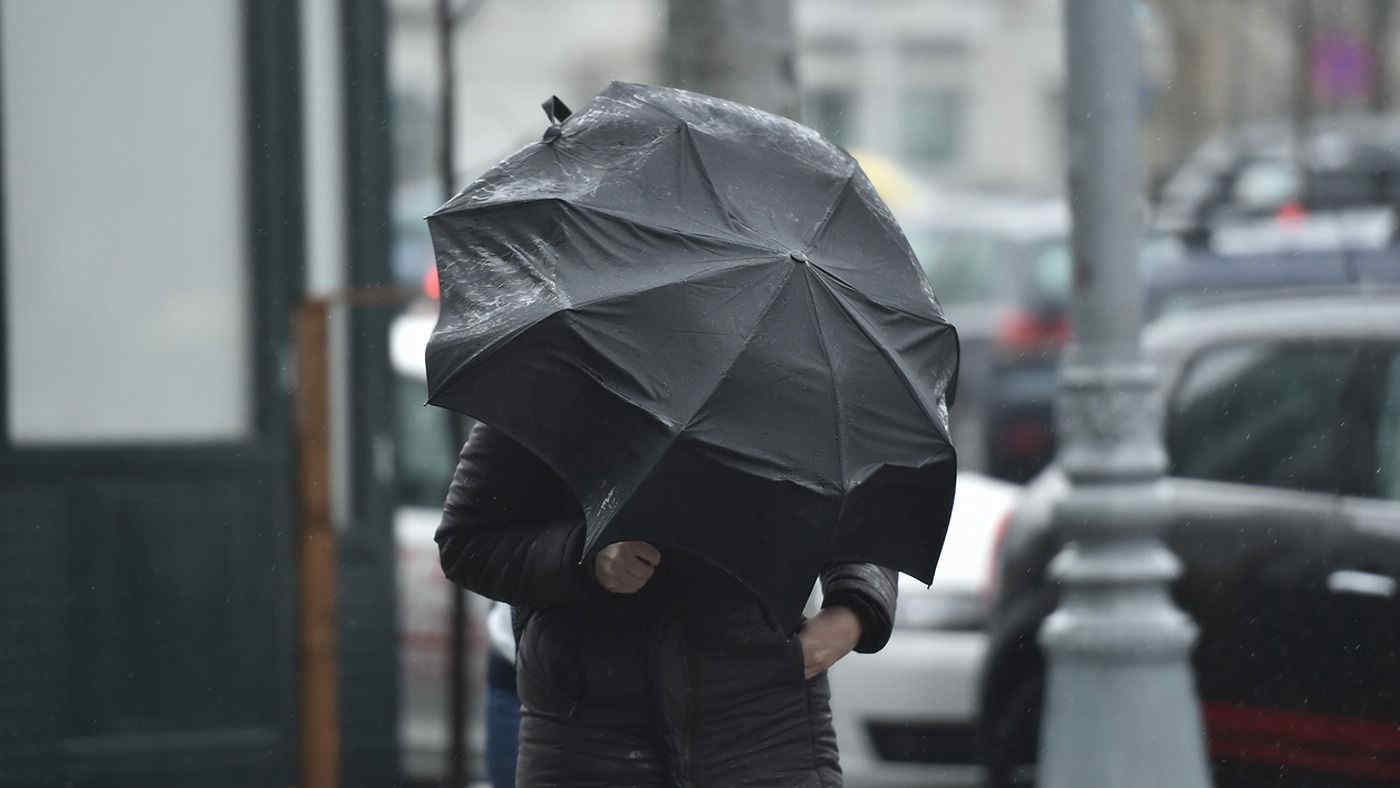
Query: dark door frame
(369, 691)
(42, 748)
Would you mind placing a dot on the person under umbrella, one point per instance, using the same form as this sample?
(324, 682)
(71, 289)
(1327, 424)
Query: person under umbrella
(707, 371)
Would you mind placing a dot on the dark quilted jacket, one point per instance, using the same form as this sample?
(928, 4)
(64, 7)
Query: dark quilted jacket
(682, 683)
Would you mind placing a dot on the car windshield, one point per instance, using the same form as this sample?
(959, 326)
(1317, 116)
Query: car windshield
(965, 266)
(1051, 274)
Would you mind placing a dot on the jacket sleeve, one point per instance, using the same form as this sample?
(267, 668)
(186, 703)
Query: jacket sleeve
(510, 529)
(871, 592)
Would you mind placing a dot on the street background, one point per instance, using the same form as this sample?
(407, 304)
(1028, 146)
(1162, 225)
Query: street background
(218, 483)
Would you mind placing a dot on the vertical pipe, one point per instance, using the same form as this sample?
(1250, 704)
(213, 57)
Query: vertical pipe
(1303, 100)
(1120, 706)
(319, 723)
(457, 624)
(447, 100)
(1379, 33)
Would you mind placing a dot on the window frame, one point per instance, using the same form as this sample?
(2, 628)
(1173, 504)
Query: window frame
(272, 236)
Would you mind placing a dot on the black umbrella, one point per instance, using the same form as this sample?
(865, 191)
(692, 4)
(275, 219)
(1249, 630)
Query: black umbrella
(706, 321)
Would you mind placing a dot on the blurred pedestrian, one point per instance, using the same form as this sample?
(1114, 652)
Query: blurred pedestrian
(502, 702)
(641, 667)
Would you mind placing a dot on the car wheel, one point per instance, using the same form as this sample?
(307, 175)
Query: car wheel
(1012, 736)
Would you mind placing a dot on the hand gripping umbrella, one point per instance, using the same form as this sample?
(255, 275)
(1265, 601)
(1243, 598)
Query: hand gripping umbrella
(705, 320)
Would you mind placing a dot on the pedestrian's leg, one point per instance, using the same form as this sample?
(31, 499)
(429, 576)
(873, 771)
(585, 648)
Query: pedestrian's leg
(502, 736)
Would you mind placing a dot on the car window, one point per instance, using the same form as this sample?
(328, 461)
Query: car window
(1388, 435)
(963, 267)
(1274, 414)
(1052, 271)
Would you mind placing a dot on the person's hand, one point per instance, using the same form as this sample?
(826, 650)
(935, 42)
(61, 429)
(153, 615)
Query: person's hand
(624, 567)
(827, 637)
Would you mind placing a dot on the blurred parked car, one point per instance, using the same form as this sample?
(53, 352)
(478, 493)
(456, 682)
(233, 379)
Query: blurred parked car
(1324, 251)
(1018, 432)
(1282, 428)
(425, 457)
(1261, 170)
(977, 252)
(906, 716)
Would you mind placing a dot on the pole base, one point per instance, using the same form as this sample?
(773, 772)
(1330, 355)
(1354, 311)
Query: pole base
(1140, 720)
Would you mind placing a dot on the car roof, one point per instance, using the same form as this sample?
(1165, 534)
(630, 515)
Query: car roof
(1020, 219)
(1318, 314)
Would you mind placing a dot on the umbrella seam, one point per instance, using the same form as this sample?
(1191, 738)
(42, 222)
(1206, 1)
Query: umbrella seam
(567, 312)
(675, 436)
(835, 390)
(491, 348)
(704, 172)
(682, 133)
(736, 239)
(804, 162)
(830, 212)
(618, 215)
(729, 368)
(686, 133)
(867, 298)
(766, 258)
(889, 357)
(826, 221)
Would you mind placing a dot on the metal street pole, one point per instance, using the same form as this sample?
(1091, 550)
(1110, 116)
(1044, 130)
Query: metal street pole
(1304, 102)
(458, 766)
(1121, 708)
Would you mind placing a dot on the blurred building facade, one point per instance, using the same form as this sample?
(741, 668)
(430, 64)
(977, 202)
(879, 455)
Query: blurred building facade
(1251, 61)
(177, 178)
(962, 94)
(968, 94)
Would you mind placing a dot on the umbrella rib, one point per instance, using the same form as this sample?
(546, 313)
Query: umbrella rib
(675, 436)
(483, 354)
(889, 357)
(831, 211)
(835, 390)
(729, 368)
(739, 262)
(875, 302)
(635, 221)
(504, 339)
(682, 131)
(735, 239)
(744, 262)
(687, 132)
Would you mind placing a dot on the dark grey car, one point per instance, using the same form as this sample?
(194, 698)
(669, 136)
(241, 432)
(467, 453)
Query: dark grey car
(1282, 425)
(1019, 428)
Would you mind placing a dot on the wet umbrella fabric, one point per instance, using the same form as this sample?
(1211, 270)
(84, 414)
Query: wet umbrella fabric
(706, 321)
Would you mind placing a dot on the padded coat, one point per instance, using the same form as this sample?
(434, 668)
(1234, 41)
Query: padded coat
(684, 683)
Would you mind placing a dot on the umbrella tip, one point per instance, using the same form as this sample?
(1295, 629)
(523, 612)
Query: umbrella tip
(557, 112)
(798, 257)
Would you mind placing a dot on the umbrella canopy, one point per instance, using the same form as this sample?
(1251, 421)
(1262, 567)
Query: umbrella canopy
(705, 320)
